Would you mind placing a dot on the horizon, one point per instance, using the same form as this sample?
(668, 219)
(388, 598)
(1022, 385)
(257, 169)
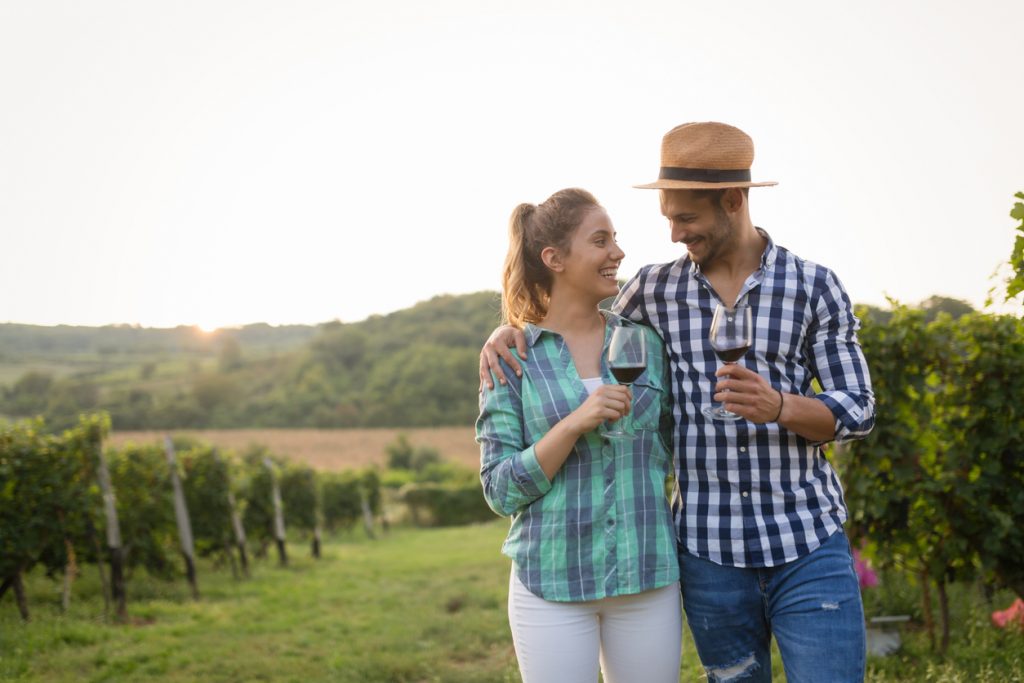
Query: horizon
(995, 307)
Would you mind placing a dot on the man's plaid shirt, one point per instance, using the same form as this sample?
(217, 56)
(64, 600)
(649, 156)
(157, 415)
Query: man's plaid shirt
(602, 526)
(757, 495)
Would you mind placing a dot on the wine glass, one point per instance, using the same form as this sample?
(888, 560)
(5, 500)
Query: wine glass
(627, 358)
(731, 334)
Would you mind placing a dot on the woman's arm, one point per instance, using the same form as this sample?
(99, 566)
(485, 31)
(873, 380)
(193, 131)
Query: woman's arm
(513, 473)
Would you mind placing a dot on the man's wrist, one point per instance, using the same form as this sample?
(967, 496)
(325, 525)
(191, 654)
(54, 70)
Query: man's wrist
(782, 404)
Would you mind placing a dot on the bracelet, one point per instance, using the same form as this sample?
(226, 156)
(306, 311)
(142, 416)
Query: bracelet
(782, 402)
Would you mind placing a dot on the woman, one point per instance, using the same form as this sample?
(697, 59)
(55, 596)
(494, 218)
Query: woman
(594, 575)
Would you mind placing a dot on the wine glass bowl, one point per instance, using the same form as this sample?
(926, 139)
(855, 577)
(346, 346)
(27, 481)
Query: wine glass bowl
(731, 334)
(627, 359)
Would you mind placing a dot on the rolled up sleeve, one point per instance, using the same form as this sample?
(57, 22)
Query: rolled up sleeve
(509, 472)
(839, 364)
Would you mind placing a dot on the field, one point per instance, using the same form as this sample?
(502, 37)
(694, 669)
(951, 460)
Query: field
(329, 449)
(414, 606)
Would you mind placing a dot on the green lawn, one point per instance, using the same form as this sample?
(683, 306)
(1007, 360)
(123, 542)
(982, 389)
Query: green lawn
(414, 605)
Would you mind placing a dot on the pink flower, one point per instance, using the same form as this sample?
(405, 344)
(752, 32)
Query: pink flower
(1012, 615)
(865, 574)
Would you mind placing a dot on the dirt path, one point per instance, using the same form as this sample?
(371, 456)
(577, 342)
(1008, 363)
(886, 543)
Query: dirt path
(328, 449)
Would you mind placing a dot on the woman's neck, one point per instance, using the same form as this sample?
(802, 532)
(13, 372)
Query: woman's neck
(581, 325)
(569, 316)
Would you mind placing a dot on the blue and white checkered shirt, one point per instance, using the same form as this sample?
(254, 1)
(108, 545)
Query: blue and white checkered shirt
(757, 495)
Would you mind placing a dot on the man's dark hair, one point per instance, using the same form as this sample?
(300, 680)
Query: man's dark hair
(716, 195)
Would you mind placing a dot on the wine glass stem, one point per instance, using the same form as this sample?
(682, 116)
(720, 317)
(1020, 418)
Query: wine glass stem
(726, 391)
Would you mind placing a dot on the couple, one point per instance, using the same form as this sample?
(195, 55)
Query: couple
(757, 512)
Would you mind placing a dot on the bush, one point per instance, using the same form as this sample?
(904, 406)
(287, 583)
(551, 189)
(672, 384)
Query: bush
(447, 504)
(299, 496)
(341, 496)
(207, 482)
(145, 507)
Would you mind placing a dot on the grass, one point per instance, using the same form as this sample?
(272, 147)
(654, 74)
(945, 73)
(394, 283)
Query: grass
(413, 606)
(977, 652)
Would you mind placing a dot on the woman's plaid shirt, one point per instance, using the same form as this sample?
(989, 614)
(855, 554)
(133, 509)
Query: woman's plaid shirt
(757, 495)
(602, 526)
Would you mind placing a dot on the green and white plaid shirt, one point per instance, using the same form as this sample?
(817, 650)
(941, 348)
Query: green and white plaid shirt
(602, 525)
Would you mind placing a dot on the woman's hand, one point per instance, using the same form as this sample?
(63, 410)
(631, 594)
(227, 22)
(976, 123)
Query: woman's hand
(498, 345)
(607, 403)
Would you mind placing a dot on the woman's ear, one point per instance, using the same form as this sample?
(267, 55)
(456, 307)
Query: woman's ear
(552, 258)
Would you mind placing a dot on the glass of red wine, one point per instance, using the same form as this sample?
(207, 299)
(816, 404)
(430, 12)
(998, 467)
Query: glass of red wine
(731, 334)
(627, 358)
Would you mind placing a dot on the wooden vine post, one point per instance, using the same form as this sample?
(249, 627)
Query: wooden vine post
(181, 515)
(114, 547)
(236, 524)
(282, 553)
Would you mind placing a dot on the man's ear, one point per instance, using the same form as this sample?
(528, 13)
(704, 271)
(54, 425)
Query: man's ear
(732, 200)
(552, 258)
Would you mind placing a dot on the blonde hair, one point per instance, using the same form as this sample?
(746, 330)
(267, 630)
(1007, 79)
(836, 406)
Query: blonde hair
(526, 281)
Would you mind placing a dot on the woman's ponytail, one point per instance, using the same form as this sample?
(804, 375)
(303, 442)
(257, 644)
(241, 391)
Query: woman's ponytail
(520, 303)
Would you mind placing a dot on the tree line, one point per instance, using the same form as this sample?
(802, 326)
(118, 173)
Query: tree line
(412, 368)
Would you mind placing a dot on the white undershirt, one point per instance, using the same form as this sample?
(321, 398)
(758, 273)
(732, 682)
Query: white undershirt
(591, 383)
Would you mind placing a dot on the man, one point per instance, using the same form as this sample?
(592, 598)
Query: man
(759, 511)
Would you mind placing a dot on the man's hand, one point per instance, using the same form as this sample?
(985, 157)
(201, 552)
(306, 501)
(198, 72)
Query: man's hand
(498, 345)
(747, 394)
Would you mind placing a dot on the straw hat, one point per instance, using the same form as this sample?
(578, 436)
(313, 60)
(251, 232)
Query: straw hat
(705, 156)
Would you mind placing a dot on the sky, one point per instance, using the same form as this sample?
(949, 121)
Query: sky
(225, 162)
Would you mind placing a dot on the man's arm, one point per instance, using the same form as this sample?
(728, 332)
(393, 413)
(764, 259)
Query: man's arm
(630, 301)
(844, 411)
(749, 395)
(628, 304)
(838, 363)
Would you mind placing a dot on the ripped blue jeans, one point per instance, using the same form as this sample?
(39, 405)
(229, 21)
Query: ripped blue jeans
(812, 606)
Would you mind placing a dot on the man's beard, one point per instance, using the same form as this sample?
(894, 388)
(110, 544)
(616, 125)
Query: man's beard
(720, 237)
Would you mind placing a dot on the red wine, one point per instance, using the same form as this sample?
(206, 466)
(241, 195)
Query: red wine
(627, 374)
(731, 355)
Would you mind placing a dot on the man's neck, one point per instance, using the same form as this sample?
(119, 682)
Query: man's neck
(730, 269)
(740, 258)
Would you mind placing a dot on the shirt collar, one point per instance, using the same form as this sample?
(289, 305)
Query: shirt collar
(770, 251)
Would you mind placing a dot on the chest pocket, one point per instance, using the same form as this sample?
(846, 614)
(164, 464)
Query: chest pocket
(648, 396)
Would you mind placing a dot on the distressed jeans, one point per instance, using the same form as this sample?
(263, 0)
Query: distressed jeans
(812, 606)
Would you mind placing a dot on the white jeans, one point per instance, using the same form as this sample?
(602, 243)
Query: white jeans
(637, 637)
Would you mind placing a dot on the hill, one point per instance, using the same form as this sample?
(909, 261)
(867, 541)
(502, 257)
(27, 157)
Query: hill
(411, 368)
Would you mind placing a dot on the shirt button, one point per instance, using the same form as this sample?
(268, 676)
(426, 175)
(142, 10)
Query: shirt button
(610, 522)
(746, 494)
(743, 449)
